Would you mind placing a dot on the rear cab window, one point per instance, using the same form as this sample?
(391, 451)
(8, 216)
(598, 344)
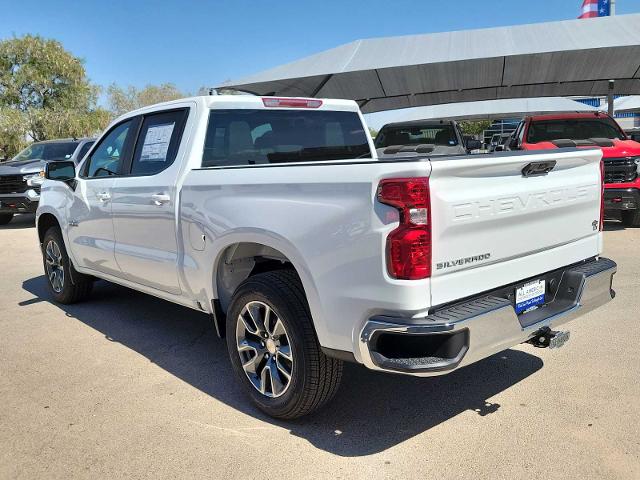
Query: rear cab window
(572, 129)
(239, 137)
(436, 134)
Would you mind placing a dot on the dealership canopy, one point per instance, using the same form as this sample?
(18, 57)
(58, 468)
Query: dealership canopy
(573, 57)
(627, 104)
(482, 110)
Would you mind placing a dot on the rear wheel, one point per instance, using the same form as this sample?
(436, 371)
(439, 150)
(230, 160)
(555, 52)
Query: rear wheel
(5, 218)
(274, 350)
(65, 283)
(631, 218)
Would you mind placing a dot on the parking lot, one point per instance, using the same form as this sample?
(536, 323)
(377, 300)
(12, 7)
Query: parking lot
(127, 385)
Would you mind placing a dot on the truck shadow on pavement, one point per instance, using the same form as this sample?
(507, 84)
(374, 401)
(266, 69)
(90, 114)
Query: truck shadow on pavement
(18, 222)
(371, 413)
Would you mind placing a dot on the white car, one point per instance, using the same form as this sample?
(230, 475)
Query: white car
(275, 217)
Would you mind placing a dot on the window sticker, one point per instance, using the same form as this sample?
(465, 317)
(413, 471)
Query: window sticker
(156, 143)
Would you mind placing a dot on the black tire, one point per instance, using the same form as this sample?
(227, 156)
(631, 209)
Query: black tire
(5, 218)
(315, 378)
(74, 286)
(630, 218)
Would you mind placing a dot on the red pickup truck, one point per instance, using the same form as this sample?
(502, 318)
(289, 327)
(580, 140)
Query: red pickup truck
(621, 156)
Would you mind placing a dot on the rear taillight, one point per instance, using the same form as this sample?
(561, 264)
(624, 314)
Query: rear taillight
(601, 195)
(291, 102)
(409, 245)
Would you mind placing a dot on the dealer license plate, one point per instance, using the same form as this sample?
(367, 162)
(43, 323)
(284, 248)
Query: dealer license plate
(529, 296)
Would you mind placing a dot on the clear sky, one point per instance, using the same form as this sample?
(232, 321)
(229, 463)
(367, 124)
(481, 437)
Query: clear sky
(201, 43)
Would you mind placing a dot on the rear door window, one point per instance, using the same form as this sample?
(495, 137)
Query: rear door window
(158, 142)
(253, 137)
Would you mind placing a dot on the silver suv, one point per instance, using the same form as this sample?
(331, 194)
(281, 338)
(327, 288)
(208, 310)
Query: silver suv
(20, 177)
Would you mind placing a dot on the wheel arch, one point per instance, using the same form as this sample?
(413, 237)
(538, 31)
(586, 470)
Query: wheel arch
(44, 222)
(47, 217)
(240, 257)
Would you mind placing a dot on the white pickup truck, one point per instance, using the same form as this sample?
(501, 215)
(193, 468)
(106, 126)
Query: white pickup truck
(275, 216)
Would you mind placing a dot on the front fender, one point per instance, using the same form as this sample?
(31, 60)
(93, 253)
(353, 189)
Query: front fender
(55, 200)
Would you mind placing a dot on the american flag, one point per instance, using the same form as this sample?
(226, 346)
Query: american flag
(595, 8)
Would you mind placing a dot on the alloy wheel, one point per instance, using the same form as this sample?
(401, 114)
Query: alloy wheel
(53, 262)
(264, 348)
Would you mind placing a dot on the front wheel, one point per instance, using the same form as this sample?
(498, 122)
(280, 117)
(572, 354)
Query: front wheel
(631, 218)
(274, 350)
(5, 218)
(65, 283)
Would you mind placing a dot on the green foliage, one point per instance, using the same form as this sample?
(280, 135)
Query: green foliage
(123, 100)
(474, 127)
(44, 94)
(12, 132)
(373, 132)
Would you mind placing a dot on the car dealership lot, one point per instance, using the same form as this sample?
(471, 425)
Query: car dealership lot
(127, 385)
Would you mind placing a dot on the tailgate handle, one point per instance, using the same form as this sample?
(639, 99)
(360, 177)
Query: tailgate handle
(535, 169)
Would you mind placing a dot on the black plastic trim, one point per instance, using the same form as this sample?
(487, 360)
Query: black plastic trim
(447, 355)
(630, 198)
(339, 354)
(219, 318)
(26, 204)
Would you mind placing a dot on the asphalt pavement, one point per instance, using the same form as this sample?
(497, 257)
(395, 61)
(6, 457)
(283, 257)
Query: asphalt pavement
(130, 386)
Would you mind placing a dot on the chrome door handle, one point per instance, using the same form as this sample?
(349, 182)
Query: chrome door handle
(103, 196)
(160, 198)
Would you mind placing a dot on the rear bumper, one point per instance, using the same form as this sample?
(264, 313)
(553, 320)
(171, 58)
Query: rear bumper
(621, 199)
(20, 203)
(466, 332)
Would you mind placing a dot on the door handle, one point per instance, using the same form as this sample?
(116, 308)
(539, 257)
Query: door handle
(160, 198)
(103, 196)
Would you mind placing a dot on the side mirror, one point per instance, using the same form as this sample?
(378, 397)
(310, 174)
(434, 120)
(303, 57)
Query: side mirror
(473, 144)
(513, 144)
(64, 171)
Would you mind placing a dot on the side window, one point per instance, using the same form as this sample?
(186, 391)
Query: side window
(107, 158)
(158, 142)
(83, 150)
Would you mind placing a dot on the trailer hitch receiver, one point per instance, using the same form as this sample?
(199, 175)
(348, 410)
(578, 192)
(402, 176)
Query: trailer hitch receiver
(547, 338)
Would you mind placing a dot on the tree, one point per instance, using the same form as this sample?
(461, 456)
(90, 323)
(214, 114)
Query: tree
(123, 100)
(44, 94)
(474, 127)
(12, 132)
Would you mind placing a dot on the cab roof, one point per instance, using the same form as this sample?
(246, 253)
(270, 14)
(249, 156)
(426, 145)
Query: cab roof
(245, 101)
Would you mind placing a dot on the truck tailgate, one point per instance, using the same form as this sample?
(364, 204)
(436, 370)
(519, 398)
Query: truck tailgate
(492, 225)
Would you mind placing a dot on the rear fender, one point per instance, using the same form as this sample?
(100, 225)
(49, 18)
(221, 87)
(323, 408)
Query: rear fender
(276, 242)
